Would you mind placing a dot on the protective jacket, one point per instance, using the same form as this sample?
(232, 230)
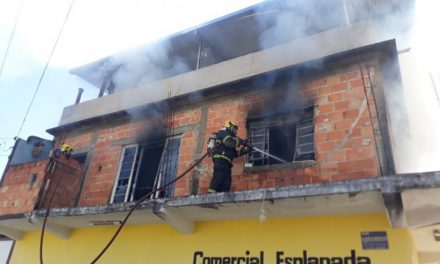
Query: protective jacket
(227, 145)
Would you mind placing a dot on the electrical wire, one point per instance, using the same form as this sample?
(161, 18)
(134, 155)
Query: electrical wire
(48, 207)
(45, 67)
(115, 235)
(142, 200)
(17, 18)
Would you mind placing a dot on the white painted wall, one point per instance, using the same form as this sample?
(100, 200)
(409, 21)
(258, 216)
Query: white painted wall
(5, 247)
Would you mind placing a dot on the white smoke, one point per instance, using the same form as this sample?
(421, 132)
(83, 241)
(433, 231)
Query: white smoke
(295, 19)
(420, 70)
(137, 67)
(413, 98)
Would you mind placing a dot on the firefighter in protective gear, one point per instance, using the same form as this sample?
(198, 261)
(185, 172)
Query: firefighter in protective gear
(65, 149)
(227, 147)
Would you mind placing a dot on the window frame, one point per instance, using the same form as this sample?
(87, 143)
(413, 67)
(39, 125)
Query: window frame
(280, 120)
(135, 168)
(118, 173)
(161, 166)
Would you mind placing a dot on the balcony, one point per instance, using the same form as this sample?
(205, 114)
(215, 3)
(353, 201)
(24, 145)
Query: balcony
(395, 195)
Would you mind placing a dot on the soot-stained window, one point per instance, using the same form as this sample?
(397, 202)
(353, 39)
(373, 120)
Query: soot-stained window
(289, 137)
(80, 157)
(143, 168)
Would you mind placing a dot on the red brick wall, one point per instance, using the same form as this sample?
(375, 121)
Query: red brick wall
(344, 138)
(16, 195)
(188, 145)
(63, 178)
(103, 165)
(106, 155)
(346, 131)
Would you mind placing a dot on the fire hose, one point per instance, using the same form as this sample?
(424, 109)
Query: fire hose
(141, 200)
(145, 197)
(270, 155)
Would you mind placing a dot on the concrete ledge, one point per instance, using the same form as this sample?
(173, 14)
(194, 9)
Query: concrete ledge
(385, 184)
(12, 233)
(55, 229)
(176, 220)
(369, 195)
(90, 210)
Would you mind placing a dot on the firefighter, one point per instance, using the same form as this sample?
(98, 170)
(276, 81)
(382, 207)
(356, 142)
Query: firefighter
(65, 149)
(227, 147)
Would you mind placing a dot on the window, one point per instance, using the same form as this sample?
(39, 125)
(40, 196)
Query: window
(145, 167)
(80, 157)
(289, 137)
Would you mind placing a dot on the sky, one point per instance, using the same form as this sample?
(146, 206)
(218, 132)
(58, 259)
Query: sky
(94, 29)
(99, 28)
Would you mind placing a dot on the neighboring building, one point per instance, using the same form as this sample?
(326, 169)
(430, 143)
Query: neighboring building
(310, 82)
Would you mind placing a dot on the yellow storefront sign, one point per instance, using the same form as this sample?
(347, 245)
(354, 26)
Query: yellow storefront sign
(312, 240)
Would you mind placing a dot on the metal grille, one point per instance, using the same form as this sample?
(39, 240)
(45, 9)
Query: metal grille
(126, 169)
(134, 180)
(288, 137)
(167, 167)
(259, 138)
(305, 144)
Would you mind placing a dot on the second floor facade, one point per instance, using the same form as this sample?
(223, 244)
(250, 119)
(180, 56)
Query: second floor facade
(329, 123)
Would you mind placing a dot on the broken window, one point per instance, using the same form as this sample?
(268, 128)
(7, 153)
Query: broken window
(289, 137)
(144, 167)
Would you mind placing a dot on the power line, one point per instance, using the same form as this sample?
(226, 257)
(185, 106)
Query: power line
(45, 67)
(17, 18)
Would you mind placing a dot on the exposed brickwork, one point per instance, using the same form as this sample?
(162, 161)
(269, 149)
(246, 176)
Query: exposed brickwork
(106, 154)
(62, 177)
(104, 164)
(346, 134)
(19, 195)
(187, 147)
(16, 194)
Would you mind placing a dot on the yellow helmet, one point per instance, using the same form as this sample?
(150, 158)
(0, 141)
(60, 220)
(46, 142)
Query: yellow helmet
(232, 126)
(66, 147)
(230, 123)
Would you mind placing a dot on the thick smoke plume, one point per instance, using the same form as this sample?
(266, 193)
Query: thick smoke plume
(136, 67)
(412, 95)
